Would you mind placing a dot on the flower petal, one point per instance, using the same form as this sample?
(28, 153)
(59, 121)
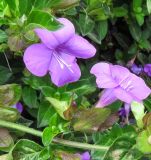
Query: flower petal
(123, 95)
(66, 32)
(119, 73)
(106, 98)
(103, 74)
(79, 47)
(64, 69)
(139, 89)
(37, 59)
(47, 38)
(54, 38)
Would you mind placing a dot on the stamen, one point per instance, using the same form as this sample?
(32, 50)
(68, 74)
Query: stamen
(62, 62)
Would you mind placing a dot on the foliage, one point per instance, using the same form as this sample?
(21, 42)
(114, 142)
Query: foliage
(121, 33)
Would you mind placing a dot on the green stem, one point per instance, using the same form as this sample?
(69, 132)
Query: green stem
(34, 132)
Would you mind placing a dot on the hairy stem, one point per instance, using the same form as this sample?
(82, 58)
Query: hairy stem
(34, 132)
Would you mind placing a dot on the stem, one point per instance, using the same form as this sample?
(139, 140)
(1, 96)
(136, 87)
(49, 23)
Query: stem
(7, 62)
(20, 128)
(37, 133)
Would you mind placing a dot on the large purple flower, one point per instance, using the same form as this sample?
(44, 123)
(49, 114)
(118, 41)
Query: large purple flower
(119, 83)
(57, 54)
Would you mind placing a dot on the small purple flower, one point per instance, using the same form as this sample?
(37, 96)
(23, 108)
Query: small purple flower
(57, 54)
(119, 83)
(147, 69)
(84, 156)
(18, 106)
(136, 69)
(124, 112)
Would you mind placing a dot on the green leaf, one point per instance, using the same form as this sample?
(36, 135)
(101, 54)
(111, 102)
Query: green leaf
(135, 30)
(4, 157)
(138, 111)
(5, 74)
(60, 106)
(140, 18)
(25, 150)
(38, 18)
(86, 24)
(149, 6)
(120, 12)
(9, 114)
(145, 44)
(119, 140)
(63, 4)
(48, 134)
(137, 5)
(36, 82)
(82, 87)
(3, 36)
(99, 32)
(30, 97)
(143, 142)
(45, 112)
(11, 4)
(6, 141)
(89, 120)
(10, 94)
(25, 7)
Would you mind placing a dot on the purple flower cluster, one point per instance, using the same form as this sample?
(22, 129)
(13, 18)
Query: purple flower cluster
(57, 55)
(139, 69)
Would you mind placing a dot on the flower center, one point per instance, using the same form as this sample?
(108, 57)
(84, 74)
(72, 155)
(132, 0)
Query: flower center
(126, 84)
(61, 61)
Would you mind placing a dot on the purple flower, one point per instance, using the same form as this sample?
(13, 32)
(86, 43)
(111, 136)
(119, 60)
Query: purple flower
(119, 83)
(57, 54)
(84, 156)
(124, 112)
(136, 69)
(18, 106)
(107, 97)
(147, 69)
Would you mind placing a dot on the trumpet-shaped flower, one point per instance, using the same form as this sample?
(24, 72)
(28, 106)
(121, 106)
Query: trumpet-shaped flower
(119, 83)
(57, 54)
